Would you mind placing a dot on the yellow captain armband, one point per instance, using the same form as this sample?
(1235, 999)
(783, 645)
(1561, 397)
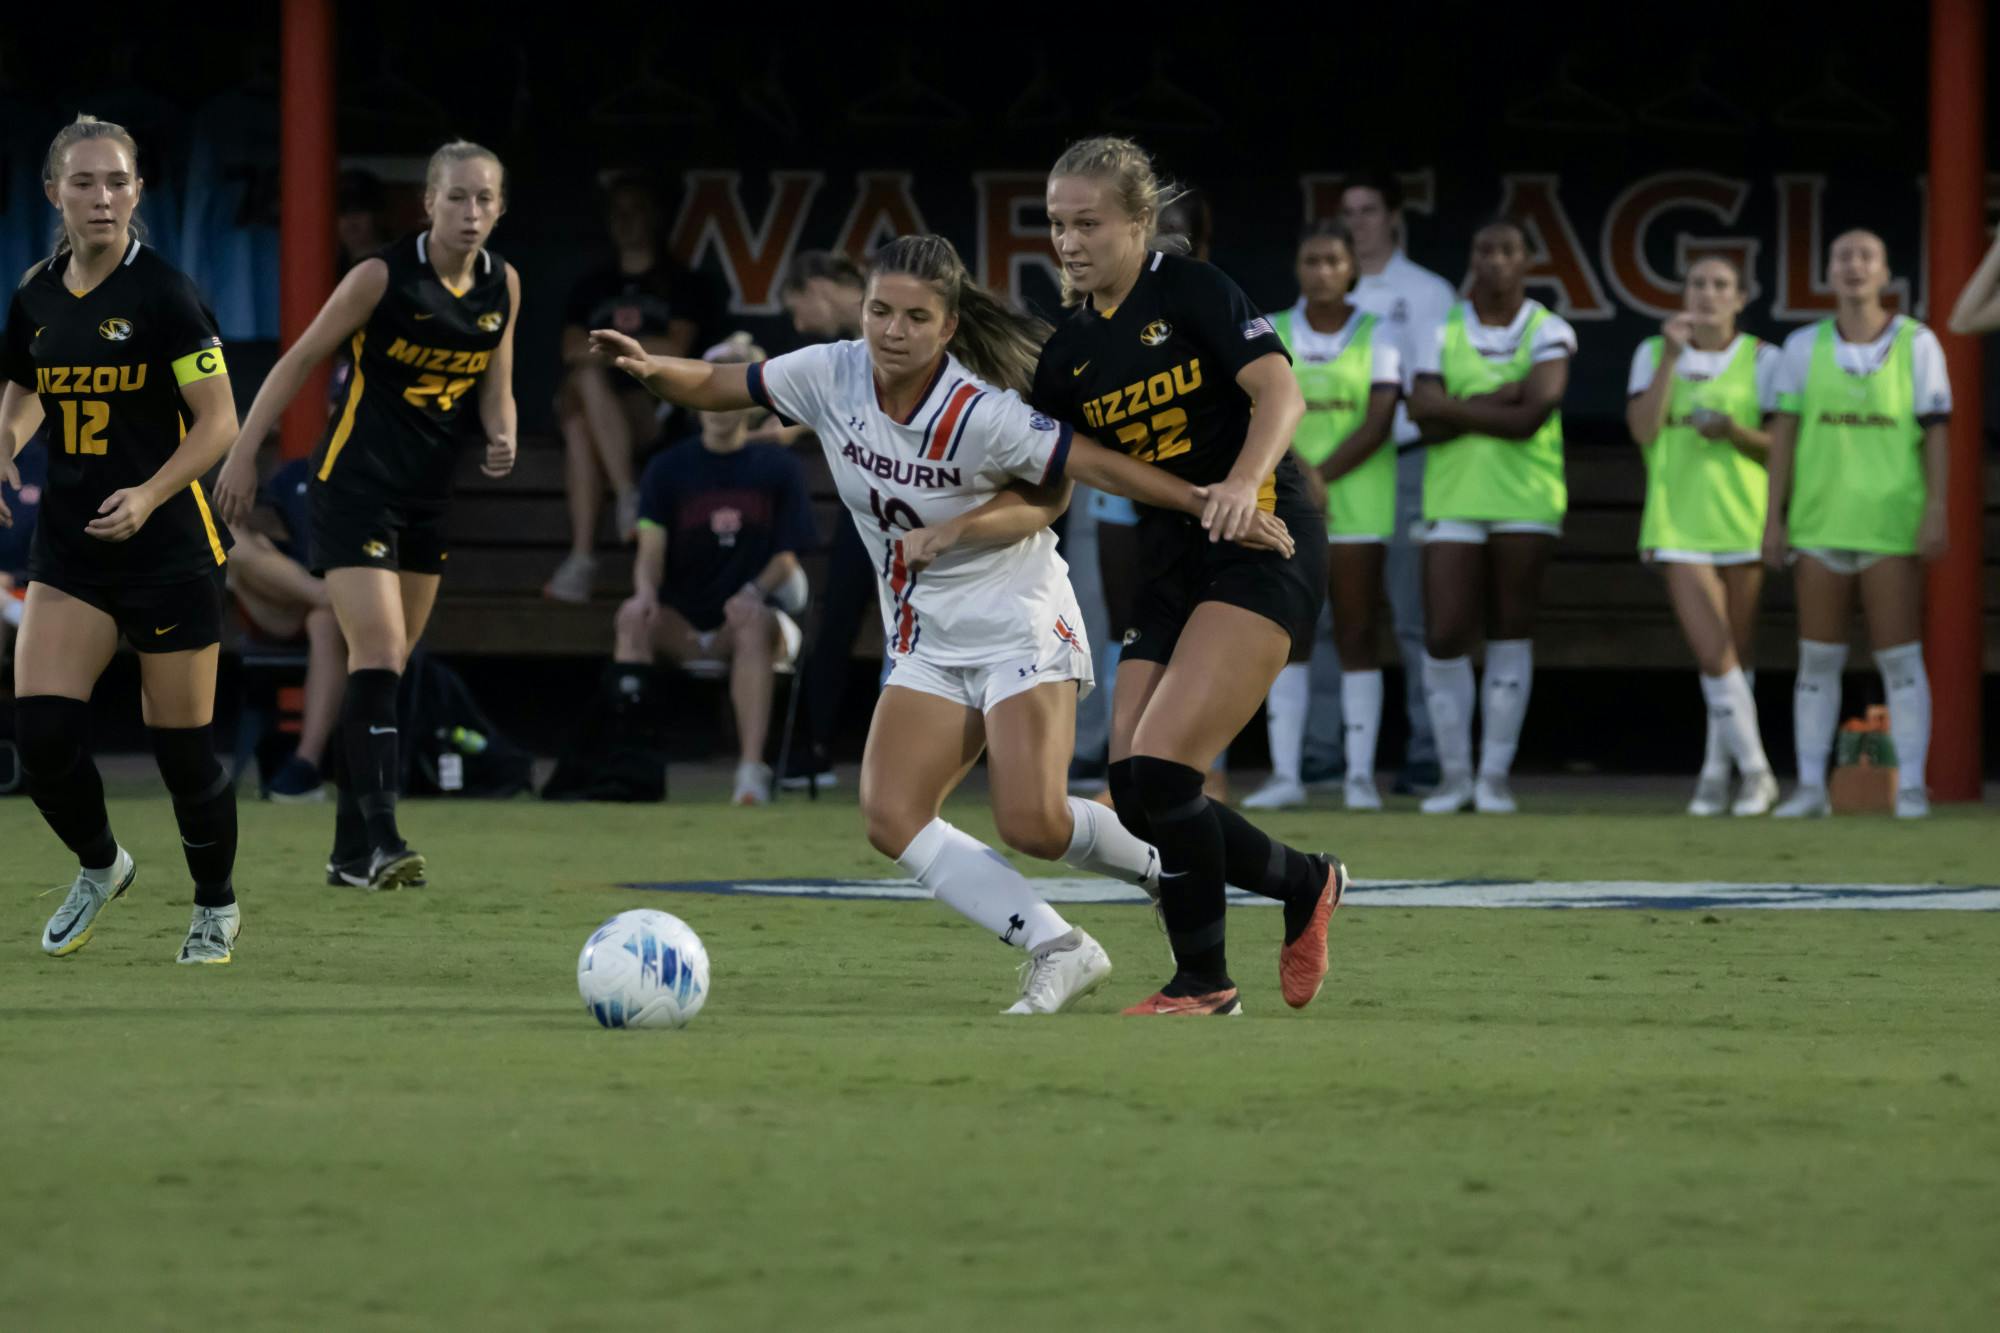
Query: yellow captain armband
(202, 365)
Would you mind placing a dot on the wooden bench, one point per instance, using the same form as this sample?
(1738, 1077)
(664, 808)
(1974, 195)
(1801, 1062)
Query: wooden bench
(1603, 609)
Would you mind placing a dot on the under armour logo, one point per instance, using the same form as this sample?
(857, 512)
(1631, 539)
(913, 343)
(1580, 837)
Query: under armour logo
(857, 425)
(1014, 926)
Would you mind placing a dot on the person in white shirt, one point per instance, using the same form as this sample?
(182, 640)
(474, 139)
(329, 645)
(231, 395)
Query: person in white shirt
(930, 443)
(1859, 464)
(1701, 393)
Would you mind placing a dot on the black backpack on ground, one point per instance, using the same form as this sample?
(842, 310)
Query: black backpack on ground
(615, 752)
(450, 745)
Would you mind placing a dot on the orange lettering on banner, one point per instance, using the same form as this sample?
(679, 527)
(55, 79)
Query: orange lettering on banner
(1633, 278)
(883, 210)
(1007, 244)
(1555, 256)
(1321, 190)
(753, 259)
(1803, 292)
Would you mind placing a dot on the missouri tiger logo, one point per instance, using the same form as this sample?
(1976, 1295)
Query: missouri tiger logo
(115, 330)
(491, 321)
(1156, 333)
(375, 550)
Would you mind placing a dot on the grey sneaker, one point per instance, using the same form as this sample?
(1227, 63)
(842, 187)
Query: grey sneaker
(71, 927)
(211, 937)
(571, 581)
(1711, 795)
(1060, 973)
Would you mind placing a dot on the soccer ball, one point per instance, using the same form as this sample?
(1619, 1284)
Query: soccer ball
(643, 969)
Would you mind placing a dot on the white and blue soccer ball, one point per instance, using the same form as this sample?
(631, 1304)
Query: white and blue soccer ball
(643, 969)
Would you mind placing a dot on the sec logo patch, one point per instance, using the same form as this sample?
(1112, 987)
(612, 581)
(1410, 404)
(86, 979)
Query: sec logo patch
(1040, 422)
(1156, 333)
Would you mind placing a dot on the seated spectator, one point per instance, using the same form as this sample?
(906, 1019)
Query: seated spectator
(606, 416)
(722, 523)
(283, 603)
(822, 293)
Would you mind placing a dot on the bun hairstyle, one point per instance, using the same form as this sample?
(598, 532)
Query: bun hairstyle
(994, 340)
(83, 128)
(1128, 170)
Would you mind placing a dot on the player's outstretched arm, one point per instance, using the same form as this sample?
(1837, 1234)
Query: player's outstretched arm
(1119, 473)
(702, 385)
(1013, 514)
(352, 302)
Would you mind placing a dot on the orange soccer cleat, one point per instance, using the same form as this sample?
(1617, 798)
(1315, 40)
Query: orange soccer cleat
(1302, 963)
(1222, 1002)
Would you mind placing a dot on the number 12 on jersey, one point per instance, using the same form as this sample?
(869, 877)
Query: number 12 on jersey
(83, 422)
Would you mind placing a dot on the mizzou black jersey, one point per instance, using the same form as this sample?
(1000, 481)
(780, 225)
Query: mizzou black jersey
(108, 366)
(418, 363)
(1157, 375)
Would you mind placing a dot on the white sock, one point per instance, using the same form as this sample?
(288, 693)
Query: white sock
(1732, 714)
(1448, 693)
(975, 881)
(1510, 679)
(1816, 707)
(1715, 748)
(1361, 711)
(1103, 846)
(1908, 687)
(1285, 720)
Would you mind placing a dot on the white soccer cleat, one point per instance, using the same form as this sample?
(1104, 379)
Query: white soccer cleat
(1060, 973)
(211, 936)
(71, 927)
(1491, 796)
(1358, 793)
(1277, 794)
(753, 785)
(1758, 794)
(1805, 803)
(1453, 794)
(1711, 795)
(1913, 803)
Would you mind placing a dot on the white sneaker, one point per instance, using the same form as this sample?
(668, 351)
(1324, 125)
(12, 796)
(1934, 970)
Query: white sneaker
(1805, 803)
(1276, 794)
(1757, 795)
(571, 581)
(753, 785)
(1060, 973)
(1913, 803)
(70, 928)
(1491, 796)
(1711, 795)
(1359, 793)
(211, 936)
(1453, 794)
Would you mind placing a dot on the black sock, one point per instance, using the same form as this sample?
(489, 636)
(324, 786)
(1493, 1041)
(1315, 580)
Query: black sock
(1125, 798)
(1258, 862)
(1191, 876)
(350, 831)
(54, 736)
(204, 806)
(374, 752)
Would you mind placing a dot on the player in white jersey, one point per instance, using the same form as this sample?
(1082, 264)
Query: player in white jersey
(952, 481)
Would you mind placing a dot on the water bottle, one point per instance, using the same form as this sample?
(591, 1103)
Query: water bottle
(463, 739)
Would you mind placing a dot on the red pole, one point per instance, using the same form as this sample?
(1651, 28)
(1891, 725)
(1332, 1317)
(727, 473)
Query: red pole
(1954, 637)
(305, 199)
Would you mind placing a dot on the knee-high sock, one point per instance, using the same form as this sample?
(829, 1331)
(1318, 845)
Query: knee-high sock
(1510, 679)
(1908, 687)
(1448, 689)
(1361, 707)
(1191, 870)
(975, 881)
(1125, 797)
(1732, 714)
(1255, 861)
(1099, 843)
(374, 751)
(1285, 719)
(1715, 754)
(1816, 707)
(54, 735)
(204, 806)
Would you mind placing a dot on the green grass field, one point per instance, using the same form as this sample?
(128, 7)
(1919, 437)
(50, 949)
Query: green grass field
(393, 1113)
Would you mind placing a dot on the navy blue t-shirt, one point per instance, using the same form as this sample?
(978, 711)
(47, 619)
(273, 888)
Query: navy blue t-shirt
(725, 516)
(285, 492)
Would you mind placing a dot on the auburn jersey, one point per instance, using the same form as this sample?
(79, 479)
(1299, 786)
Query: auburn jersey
(418, 363)
(1156, 376)
(109, 365)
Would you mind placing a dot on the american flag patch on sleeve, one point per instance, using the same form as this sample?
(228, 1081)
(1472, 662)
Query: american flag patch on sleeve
(1257, 328)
